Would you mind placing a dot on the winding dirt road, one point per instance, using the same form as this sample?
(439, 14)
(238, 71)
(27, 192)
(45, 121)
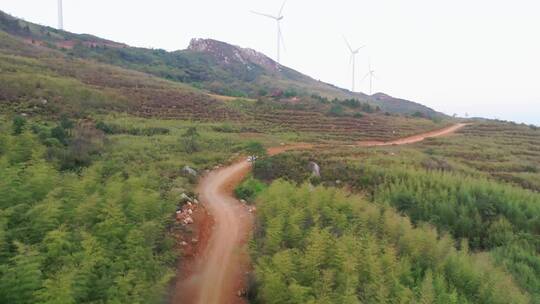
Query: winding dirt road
(219, 270)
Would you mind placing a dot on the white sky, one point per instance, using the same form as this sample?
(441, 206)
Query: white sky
(480, 57)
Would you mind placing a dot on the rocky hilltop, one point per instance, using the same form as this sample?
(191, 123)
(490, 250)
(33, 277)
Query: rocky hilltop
(232, 54)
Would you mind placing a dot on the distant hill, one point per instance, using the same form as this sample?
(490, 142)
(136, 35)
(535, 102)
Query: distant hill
(46, 72)
(216, 66)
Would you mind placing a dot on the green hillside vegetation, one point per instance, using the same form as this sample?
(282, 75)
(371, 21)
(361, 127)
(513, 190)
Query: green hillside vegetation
(85, 217)
(439, 182)
(323, 246)
(43, 81)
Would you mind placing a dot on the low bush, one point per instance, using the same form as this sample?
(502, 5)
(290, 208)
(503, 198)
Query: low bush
(249, 189)
(287, 166)
(336, 110)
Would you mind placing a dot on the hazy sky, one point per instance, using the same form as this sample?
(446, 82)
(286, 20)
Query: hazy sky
(480, 57)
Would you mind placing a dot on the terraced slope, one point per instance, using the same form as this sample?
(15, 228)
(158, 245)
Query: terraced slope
(505, 151)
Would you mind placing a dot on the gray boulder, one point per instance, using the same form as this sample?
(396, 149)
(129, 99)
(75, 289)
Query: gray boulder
(315, 169)
(189, 170)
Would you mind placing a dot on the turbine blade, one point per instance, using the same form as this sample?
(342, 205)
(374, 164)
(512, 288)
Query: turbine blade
(348, 45)
(358, 49)
(264, 15)
(281, 9)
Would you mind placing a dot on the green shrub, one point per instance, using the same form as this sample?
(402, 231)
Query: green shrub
(225, 128)
(418, 114)
(249, 189)
(336, 110)
(190, 140)
(255, 149)
(288, 166)
(18, 124)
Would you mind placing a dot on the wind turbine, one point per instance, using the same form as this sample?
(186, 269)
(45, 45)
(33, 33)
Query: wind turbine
(60, 15)
(354, 52)
(278, 19)
(371, 75)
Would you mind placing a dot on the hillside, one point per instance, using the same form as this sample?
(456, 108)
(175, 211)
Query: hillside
(213, 65)
(39, 77)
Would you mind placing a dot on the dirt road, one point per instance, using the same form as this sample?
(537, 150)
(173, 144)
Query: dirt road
(415, 138)
(219, 271)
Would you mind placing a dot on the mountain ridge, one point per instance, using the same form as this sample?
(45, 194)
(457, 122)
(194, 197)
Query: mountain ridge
(226, 53)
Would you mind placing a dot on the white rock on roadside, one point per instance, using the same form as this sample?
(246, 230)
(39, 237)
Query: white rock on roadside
(185, 197)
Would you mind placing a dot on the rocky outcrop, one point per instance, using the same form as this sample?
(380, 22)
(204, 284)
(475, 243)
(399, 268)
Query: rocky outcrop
(231, 54)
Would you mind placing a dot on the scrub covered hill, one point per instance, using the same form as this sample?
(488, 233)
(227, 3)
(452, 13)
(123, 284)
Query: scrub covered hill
(213, 65)
(39, 78)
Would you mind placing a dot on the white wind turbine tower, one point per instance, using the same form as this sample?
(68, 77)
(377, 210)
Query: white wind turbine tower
(60, 15)
(354, 52)
(371, 75)
(278, 19)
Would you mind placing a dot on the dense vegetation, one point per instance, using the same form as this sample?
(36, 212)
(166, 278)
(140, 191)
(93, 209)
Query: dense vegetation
(320, 245)
(67, 238)
(94, 227)
(436, 182)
